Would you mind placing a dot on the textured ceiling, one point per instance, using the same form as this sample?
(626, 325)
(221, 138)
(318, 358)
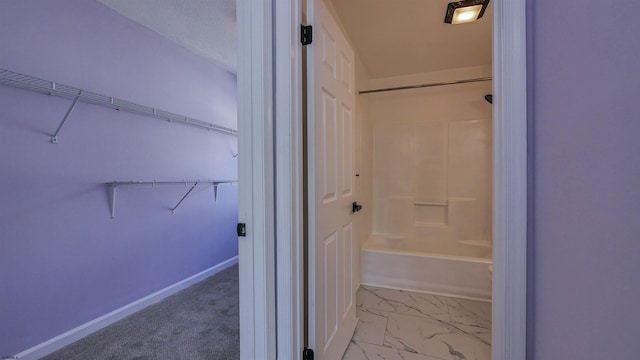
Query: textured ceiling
(402, 37)
(206, 27)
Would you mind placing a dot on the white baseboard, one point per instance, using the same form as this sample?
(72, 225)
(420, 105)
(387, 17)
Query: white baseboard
(103, 321)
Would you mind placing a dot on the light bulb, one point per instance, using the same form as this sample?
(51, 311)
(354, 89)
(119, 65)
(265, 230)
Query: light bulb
(466, 14)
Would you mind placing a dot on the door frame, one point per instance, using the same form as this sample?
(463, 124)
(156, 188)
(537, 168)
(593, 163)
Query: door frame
(256, 251)
(273, 149)
(289, 178)
(509, 336)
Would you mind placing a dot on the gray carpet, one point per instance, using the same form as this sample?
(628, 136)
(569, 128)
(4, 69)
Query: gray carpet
(200, 322)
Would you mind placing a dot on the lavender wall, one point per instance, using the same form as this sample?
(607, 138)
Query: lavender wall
(585, 236)
(63, 261)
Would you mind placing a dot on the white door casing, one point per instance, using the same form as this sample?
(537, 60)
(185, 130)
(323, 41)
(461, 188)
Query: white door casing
(331, 141)
(256, 182)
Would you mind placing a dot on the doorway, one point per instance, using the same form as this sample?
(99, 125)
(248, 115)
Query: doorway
(509, 220)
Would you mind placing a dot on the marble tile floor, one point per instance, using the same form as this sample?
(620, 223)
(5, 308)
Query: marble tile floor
(404, 325)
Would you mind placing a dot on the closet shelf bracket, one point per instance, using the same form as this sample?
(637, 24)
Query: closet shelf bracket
(112, 199)
(112, 186)
(173, 210)
(54, 138)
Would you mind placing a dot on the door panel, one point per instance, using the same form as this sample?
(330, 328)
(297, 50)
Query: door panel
(347, 284)
(331, 135)
(328, 154)
(347, 151)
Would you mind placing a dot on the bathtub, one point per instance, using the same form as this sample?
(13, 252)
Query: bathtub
(393, 262)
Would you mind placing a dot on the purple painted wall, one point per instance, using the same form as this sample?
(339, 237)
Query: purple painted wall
(585, 117)
(63, 261)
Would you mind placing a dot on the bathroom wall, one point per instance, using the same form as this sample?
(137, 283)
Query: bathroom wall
(63, 261)
(432, 163)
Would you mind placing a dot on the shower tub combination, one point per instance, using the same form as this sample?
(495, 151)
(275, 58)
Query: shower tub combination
(399, 263)
(431, 187)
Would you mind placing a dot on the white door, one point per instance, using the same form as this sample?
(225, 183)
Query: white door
(331, 106)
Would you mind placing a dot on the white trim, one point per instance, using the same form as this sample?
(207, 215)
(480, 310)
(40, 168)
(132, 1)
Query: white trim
(509, 180)
(256, 172)
(103, 321)
(510, 173)
(289, 180)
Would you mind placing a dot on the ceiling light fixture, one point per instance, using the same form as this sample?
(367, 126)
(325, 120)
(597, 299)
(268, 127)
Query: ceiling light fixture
(461, 12)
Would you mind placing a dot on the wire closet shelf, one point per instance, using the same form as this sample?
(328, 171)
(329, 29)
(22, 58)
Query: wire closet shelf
(14, 79)
(190, 184)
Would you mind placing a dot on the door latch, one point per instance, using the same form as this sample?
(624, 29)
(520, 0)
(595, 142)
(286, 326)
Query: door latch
(356, 207)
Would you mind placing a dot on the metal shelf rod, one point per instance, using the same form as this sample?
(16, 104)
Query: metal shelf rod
(14, 79)
(431, 204)
(408, 87)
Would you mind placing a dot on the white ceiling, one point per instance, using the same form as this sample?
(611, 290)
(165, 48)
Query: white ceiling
(206, 27)
(392, 37)
(402, 37)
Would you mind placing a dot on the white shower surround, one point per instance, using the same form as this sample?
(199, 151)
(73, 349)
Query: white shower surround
(432, 186)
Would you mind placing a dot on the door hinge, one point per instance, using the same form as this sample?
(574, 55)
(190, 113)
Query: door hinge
(306, 34)
(242, 229)
(307, 354)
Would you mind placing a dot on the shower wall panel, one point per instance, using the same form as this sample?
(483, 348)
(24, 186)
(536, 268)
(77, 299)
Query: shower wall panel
(432, 167)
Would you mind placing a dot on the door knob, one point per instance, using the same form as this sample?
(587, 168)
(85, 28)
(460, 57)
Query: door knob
(356, 207)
